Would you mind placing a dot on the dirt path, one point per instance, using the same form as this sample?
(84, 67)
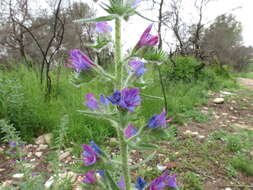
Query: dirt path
(246, 82)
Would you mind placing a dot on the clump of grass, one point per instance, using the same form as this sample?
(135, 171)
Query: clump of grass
(243, 164)
(191, 181)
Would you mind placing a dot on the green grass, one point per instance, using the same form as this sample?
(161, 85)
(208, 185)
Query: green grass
(22, 102)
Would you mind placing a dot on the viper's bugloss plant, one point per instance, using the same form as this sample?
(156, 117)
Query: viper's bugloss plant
(119, 105)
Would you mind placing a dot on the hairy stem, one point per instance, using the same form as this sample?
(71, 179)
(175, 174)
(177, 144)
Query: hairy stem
(124, 156)
(118, 65)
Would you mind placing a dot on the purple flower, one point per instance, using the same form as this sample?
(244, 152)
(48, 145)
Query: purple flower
(89, 155)
(103, 100)
(12, 144)
(121, 183)
(130, 131)
(172, 181)
(103, 27)
(136, 3)
(79, 61)
(91, 102)
(163, 182)
(140, 183)
(89, 177)
(147, 39)
(115, 97)
(130, 98)
(95, 147)
(138, 67)
(158, 120)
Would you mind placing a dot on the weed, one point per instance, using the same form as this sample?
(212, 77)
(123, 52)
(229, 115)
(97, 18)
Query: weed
(192, 181)
(243, 164)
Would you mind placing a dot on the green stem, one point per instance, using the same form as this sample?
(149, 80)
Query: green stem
(118, 65)
(124, 155)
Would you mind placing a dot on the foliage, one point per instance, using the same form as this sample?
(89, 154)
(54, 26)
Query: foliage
(192, 181)
(243, 164)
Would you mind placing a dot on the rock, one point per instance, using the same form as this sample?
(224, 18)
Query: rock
(29, 155)
(18, 176)
(218, 100)
(42, 147)
(38, 154)
(2, 169)
(195, 133)
(40, 140)
(226, 93)
(201, 136)
(44, 139)
(161, 167)
(7, 183)
(228, 188)
(49, 182)
(64, 155)
(32, 160)
(48, 138)
(187, 132)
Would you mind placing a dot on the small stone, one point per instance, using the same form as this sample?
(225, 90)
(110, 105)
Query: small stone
(1, 150)
(161, 167)
(29, 155)
(226, 93)
(42, 147)
(187, 132)
(228, 188)
(38, 154)
(2, 169)
(49, 182)
(48, 138)
(7, 183)
(18, 176)
(32, 160)
(40, 140)
(218, 100)
(195, 133)
(251, 153)
(201, 136)
(64, 155)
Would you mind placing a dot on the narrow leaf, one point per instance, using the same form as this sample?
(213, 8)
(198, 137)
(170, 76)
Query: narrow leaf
(98, 19)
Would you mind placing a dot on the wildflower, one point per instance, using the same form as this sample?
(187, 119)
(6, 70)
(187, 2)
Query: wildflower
(95, 147)
(12, 144)
(172, 181)
(121, 183)
(136, 3)
(130, 98)
(164, 181)
(130, 131)
(140, 183)
(79, 61)
(91, 102)
(138, 67)
(103, 27)
(158, 120)
(147, 39)
(103, 100)
(115, 97)
(89, 177)
(89, 155)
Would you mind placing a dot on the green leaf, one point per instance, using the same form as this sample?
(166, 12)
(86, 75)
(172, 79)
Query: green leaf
(144, 16)
(144, 146)
(111, 182)
(98, 19)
